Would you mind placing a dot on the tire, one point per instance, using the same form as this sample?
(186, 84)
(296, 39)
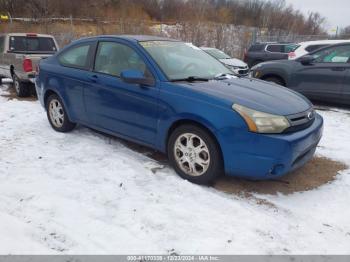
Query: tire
(275, 80)
(199, 162)
(57, 116)
(22, 89)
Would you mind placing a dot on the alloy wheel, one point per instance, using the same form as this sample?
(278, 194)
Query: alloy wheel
(56, 113)
(192, 154)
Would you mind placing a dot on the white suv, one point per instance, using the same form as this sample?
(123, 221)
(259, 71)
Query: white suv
(305, 48)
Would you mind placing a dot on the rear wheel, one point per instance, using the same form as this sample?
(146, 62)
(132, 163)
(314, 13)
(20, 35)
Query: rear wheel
(275, 80)
(195, 154)
(57, 115)
(22, 89)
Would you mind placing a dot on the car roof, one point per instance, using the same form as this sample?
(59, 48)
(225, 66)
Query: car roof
(325, 42)
(26, 34)
(208, 48)
(328, 46)
(273, 43)
(133, 38)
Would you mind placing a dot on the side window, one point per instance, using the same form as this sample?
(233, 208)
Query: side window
(77, 56)
(256, 48)
(312, 48)
(113, 58)
(337, 54)
(2, 44)
(275, 48)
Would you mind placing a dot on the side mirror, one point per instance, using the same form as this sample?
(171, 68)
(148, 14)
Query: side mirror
(136, 77)
(306, 60)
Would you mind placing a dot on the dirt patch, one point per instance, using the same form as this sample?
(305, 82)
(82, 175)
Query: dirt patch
(316, 173)
(10, 94)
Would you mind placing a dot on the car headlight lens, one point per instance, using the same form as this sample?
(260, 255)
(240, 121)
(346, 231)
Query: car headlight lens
(260, 122)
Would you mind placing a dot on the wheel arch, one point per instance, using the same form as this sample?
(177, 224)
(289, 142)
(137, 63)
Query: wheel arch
(275, 75)
(52, 91)
(48, 93)
(188, 121)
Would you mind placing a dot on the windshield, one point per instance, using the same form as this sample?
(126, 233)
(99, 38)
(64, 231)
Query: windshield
(32, 44)
(180, 60)
(217, 54)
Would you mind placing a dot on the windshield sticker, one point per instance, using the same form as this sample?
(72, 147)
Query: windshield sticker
(156, 44)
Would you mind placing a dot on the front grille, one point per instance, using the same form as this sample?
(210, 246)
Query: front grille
(243, 71)
(300, 121)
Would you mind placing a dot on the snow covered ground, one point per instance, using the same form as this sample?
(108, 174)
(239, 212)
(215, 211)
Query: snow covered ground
(86, 193)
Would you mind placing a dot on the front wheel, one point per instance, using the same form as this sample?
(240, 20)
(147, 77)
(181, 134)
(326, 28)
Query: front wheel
(57, 115)
(195, 154)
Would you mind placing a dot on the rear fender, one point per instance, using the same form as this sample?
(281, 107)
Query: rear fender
(54, 84)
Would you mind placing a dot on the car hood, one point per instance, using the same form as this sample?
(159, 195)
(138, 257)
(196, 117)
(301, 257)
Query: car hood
(255, 94)
(233, 62)
(275, 63)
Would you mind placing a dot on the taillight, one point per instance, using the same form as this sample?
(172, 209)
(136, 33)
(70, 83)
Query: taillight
(245, 58)
(27, 65)
(291, 55)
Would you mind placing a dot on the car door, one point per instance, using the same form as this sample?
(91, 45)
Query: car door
(129, 110)
(275, 52)
(345, 95)
(76, 63)
(323, 79)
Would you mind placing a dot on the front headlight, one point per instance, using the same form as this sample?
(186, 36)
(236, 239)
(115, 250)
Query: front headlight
(260, 122)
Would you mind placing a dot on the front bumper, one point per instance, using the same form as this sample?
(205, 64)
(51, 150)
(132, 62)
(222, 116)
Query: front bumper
(259, 156)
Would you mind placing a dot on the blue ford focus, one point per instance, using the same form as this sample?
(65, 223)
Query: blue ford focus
(175, 98)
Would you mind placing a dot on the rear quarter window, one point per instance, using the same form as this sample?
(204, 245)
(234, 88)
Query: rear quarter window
(312, 48)
(290, 48)
(76, 56)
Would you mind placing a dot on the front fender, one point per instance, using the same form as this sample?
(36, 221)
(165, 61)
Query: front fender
(281, 70)
(165, 126)
(213, 119)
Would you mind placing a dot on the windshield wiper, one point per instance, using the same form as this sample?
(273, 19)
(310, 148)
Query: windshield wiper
(190, 79)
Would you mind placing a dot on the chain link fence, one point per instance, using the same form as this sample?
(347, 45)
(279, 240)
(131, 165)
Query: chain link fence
(232, 39)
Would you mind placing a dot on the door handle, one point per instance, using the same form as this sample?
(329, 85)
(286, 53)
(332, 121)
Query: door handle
(93, 78)
(338, 69)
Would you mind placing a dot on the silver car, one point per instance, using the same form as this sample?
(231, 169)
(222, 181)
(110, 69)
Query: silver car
(238, 67)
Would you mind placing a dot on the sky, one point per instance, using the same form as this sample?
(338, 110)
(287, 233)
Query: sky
(336, 11)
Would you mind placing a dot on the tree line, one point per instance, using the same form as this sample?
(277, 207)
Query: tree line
(270, 14)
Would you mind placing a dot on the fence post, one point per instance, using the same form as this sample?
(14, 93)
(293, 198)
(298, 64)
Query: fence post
(254, 35)
(11, 21)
